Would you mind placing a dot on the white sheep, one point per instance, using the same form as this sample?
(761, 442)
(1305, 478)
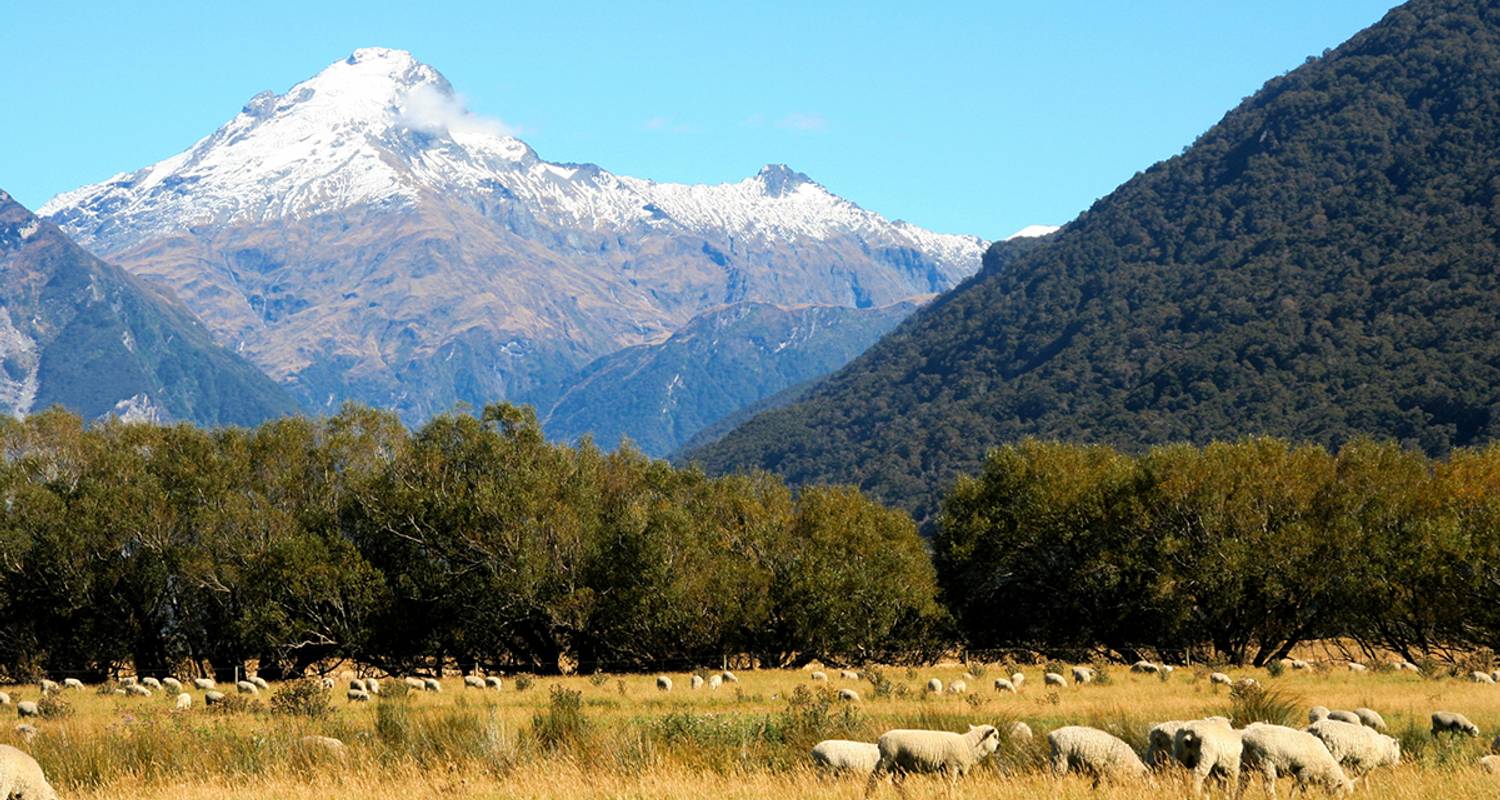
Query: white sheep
(935, 686)
(1340, 715)
(260, 683)
(27, 708)
(326, 744)
(1316, 713)
(433, 684)
(1082, 675)
(246, 687)
(819, 675)
(147, 681)
(26, 731)
(1452, 722)
(1407, 666)
(1482, 677)
(493, 682)
(373, 686)
(49, 686)
(1355, 666)
(1018, 679)
(473, 682)
(715, 681)
(695, 682)
(729, 677)
(1090, 751)
(172, 684)
(1246, 683)
(1490, 764)
(414, 683)
(1371, 718)
(1495, 676)
(848, 674)
(843, 755)
(1145, 667)
(4, 698)
(204, 683)
(137, 690)
(213, 697)
(1159, 743)
(904, 751)
(849, 695)
(1005, 685)
(1358, 749)
(1275, 750)
(958, 687)
(1018, 731)
(1210, 748)
(1220, 679)
(663, 683)
(1301, 664)
(72, 683)
(357, 684)
(184, 701)
(21, 777)
(1054, 679)
(357, 696)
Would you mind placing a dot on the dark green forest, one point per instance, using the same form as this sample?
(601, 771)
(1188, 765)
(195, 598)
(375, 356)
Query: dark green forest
(1323, 263)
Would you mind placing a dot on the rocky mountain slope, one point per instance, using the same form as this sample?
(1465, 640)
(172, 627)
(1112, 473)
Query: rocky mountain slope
(1319, 265)
(77, 332)
(362, 236)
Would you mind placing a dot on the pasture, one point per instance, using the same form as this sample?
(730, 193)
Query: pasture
(618, 736)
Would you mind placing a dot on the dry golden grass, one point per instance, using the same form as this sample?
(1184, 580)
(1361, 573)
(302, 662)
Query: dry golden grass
(743, 741)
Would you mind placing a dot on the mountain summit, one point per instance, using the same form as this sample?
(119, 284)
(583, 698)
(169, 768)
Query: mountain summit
(364, 236)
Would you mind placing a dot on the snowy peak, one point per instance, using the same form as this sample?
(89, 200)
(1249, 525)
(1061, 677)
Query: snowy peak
(779, 179)
(1034, 231)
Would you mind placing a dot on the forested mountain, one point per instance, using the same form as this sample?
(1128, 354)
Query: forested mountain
(77, 332)
(1324, 262)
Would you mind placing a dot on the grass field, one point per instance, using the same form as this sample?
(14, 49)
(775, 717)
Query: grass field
(618, 737)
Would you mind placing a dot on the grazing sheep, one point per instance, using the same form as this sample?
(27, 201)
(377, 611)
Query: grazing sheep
(415, 684)
(1452, 722)
(326, 744)
(935, 686)
(357, 696)
(26, 731)
(1355, 666)
(1371, 718)
(48, 687)
(1018, 731)
(904, 751)
(842, 755)
(1482, 677)
(1357, 749)
(1210, 748)
(493, 682)
(204, 683)
(172, 684)
(1407, 666)
(1082, 675)
(357, 684)
(372, 686)
(819, 676)
(72, 683)
(1490, 764)
(1301, 664)
(1316, 713)
(1098, 754)
(137, 690)
(1054, 679)
(1159, 743)
(663, 683)
(1275, 750)
(1340, 715)
(433, 684)
(1003, 685)
(473, 682)
(4, 699)
(147, 681)
(729, 677)
(958, 687)
(27, 708)
(260, 683)
(848, 675)
(695, 682)
(184, 701)
(1220, 679)
(1018, 679)
(213, 697)
(849, 694)
(715, 681)
(21, 777)
(246, 687)
(1145, 667)
(1246, 683)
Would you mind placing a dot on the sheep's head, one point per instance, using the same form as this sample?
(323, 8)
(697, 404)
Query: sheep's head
(1390, 750)
(1317, 712)
(986, 739)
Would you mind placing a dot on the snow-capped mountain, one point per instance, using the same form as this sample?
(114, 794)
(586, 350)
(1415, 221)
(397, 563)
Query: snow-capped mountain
(363, 236)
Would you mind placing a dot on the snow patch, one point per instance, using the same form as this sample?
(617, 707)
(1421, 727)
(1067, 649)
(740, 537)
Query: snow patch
(1032, 231)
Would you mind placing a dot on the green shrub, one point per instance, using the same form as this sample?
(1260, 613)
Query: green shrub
(598, 679)
(1276, 668)
(1254, 703)
(524, 682)
(53, 706)
(304, 698)
(563, 723)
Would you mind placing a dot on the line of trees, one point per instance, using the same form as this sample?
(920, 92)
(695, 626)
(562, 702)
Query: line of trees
(1237, 551)
(471, 540)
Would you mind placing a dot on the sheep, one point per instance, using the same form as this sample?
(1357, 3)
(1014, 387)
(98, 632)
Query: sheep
(433, 685)
(715, 681)
(1482, 677)
(1452, 722)
(48, 687)
(493, 682)
(473, 682)
(260, 683)
(1371, 718)
(848, 675)
(849, 695)
(4, 699)
(204, 683)
(1004, 685)
(1301, 664)
(1159, 742)
(1220, 679)
(1357, 749)
(213, 697)
(327, 744)
(26, 731)
(1018, 731)
(1246, 683)
(357, 696)
(842, 755)
(415, 684)
(1355, 666)
(373, 686)
(1210, 748)
(1145, 667)
(820, 676)
(904, 751)
(663, 683)
(958, 687)
(28, 708)
(1082, 675)
(137, 690)
(1340, 715)
(184, 701)
(356, 684)
(72, 683)
(1018, 679)
(1275, 750)
(1316, 713)
(21, 777)
(246, 687)
(695, 682)
(1407, 666)
(935, 686)
(148, 681)
(1093, 752)
(172, 684)
(1490, 764)
(1054, 679)
(729, 677)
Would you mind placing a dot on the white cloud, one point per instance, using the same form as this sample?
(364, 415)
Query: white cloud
(808, 123)
(667, 125)
(428, 109)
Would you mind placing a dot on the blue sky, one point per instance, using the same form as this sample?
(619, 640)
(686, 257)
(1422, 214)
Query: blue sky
(972, 117)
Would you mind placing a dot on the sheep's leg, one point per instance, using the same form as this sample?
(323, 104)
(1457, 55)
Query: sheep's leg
(875, 776)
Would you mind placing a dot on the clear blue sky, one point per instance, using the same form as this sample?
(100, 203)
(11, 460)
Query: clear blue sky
(972, 117)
